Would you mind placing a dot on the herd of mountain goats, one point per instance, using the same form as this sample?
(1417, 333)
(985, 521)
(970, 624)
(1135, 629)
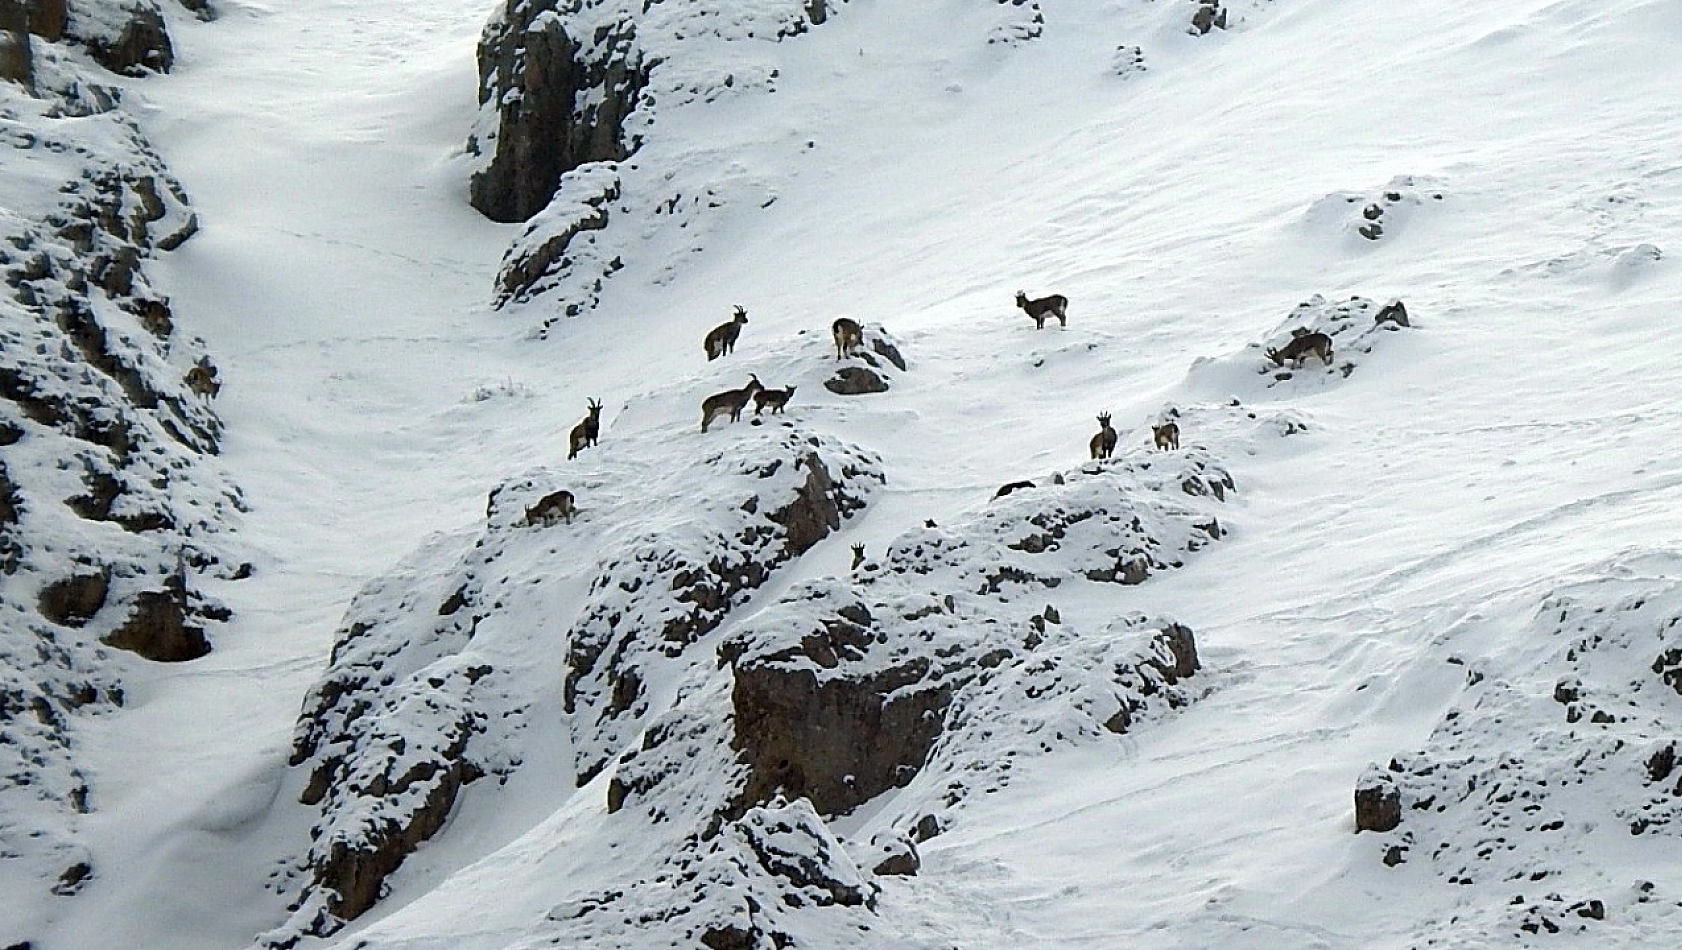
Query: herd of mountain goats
(849, 336)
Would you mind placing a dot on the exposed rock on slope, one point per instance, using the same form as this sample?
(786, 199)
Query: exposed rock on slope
(1544, 790)
(925, 678)
(421, 697)
(112, 505)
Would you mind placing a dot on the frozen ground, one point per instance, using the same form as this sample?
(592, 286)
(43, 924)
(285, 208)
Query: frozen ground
(1517, 437)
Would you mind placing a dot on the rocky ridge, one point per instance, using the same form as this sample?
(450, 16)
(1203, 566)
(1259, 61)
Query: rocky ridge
(113, 508)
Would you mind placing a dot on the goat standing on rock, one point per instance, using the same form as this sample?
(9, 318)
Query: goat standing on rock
(1055, 305)
(731, 401)
(722, 338)
(849, 336)
(585, 433)
(1103, 444)
(1301, 346)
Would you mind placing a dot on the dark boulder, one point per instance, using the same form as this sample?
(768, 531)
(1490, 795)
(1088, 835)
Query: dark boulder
(74, 600)
(158, 629)
(855, 381)
(1378, 802)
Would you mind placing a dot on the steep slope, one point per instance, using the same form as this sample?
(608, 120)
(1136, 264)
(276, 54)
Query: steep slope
(1130, 705)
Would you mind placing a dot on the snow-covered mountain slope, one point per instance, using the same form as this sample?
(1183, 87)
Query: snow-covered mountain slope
(1131, 704)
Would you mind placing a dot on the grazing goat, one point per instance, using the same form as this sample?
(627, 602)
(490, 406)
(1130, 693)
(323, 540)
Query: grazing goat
(776, 399)
(722, 338)
(585, 433)
(1303, 344)
(554, 505)
(731, 402)
(1167, 436)
(202, 378)
(1103, 444)
(849, 336)
(858, 556)
(1055, 305)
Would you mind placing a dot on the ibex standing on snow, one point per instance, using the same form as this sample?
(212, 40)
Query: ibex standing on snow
(776, 399)
(722, 338)
(584, 434)
(849, 336)
(731, 401)
(1103, 444)
(553, 506)
(1167, 436)
(858, 556)
(1055, 305)
(1303, 344)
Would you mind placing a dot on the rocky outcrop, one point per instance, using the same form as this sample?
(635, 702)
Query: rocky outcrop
(1536, 789)
(568, 91)
(112, 505)
(418, 704)
(17, 57)
(880, 356)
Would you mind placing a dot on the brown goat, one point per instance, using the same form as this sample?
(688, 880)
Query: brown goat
(776, 399)
(1300, 347)
(585, 433)
(1103, 444)
(731, 402)
(552, 506)
(722, 338)
(1055, 305)
(1167, 435)
(849, 336)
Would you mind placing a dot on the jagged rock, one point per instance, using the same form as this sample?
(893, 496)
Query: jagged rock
(855, 381)
(73, 601)
(140, 44)
(410, 711)
(894, 854)
(158, 629)
(1378, 802)
(47, 18)
(17, 60)
(1209, 15)
(561, 102)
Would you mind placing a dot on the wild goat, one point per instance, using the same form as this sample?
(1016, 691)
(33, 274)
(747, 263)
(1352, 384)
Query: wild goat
(585, 433)
(1055, 305)
(554, 505)
(858, 556)
(849, 336)
(722, 338)
(1317, 343)
(202, 378)
(731, 401)
(1167, 435)
(1103, 444)
(776, 399)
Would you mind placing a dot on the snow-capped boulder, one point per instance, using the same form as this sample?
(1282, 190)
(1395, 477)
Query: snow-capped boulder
(1377, 215)
(1356, 327)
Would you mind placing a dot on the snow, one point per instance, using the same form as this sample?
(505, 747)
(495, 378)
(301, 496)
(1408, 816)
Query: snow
(1390, 530)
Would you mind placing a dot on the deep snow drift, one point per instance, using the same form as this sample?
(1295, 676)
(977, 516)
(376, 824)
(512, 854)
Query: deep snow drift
(1443, 565)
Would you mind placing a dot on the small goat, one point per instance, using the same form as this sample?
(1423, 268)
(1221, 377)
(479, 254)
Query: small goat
(849, 336)
(722, 338)
(585, 433)
(1303, 344)
(858, 556)
(1055, 305)
(554, 505)
(1103, 444)
(202, 378)
(731, 402)
(776, 399)
(1167, 436)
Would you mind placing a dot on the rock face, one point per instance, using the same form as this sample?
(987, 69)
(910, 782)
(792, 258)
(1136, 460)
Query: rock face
(112, 505)
(418, 704)
(918, 682)
(1569, 731)
(569, 90)
(1378, 802)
